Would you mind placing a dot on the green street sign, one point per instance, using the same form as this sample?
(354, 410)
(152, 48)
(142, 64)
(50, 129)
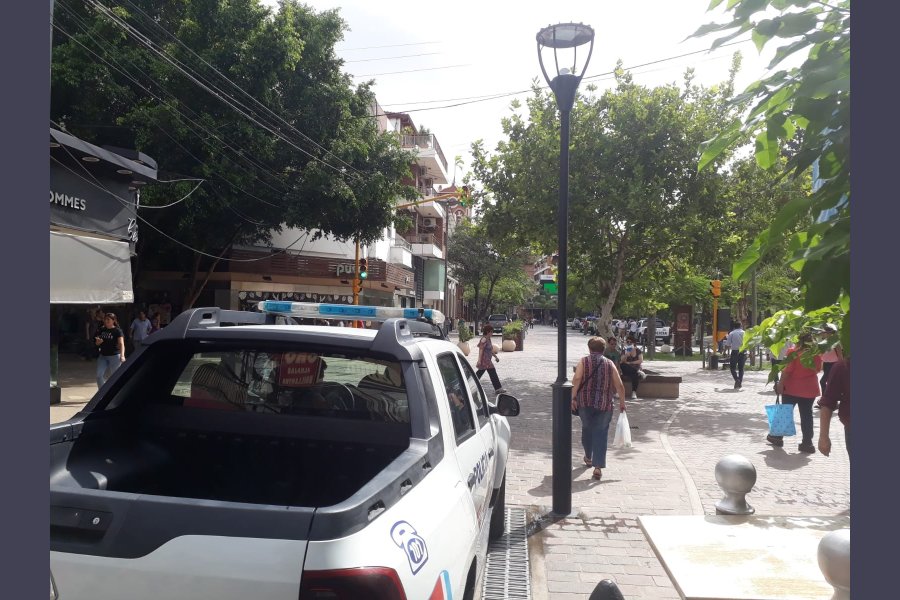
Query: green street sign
(551, 288)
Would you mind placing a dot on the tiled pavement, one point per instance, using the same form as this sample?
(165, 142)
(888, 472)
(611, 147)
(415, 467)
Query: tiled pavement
(669, 471)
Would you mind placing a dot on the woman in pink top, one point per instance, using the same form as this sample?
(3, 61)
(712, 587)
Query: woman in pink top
(800, 385)
(485, 353)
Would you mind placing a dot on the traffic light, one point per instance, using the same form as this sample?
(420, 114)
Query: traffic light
(464, 196)
(715, 288)
(363, 268)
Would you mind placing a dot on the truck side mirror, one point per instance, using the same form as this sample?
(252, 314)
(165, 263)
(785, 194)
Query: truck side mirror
(507, 406)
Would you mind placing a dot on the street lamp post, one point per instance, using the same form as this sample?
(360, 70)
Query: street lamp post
(564, 85)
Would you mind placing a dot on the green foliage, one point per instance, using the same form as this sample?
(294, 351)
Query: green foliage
(814, 99)
(489, 272)
(510, 330)
(636, 200)
(316, 162)
(788, 325)
(465, 333)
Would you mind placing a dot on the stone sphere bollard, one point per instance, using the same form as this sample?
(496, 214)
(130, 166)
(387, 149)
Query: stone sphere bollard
(834, 561)
(736, 475)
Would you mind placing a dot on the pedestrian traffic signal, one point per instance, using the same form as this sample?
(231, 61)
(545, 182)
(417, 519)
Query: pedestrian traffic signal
(363, 268)
(357, 286)
(715, 288)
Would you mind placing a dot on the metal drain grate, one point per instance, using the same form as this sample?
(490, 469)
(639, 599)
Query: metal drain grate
(507, 575)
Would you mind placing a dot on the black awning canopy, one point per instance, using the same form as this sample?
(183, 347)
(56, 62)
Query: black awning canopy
(113, 161)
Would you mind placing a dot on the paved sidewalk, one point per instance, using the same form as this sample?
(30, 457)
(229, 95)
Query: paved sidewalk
(669, 471)
(78, 381)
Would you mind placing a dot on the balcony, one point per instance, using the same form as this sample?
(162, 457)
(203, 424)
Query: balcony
(428, 155)
(427, 245)
(401, 252)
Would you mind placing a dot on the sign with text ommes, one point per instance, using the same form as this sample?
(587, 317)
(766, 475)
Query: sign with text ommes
(103, 205)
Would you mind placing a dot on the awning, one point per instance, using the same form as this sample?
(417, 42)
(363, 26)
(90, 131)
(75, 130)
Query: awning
(139, 170)
(86, 270)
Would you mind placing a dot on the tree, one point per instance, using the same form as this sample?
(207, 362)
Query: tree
(251, 102)
(486, 273)
(814, 99)
(636, 196)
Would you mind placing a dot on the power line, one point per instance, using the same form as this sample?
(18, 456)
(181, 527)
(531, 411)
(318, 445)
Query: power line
(413, 70)
(129, 206)
(392, 57)
(389, 46)
(239, 88)
(205, 85)
(179, 200)
(516, 93)
(187, 120)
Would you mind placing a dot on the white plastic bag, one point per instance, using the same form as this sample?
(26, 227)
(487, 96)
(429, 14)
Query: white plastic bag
(622, 438)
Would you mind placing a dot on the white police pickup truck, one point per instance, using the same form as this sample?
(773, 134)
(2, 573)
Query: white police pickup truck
(237, 457)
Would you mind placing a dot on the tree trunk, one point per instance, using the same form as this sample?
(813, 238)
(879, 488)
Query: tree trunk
(195, 289)
(650, 334)
(607, 308)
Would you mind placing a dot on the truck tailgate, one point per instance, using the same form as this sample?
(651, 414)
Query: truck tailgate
(107, 545)
(188, 568)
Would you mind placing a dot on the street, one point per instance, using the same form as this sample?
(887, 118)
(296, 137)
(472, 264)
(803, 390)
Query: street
(669, 471)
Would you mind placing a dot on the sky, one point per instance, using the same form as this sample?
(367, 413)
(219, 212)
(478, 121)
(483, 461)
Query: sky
(425, 56)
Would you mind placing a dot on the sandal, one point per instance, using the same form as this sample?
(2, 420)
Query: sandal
(597, 474)
(587, 461)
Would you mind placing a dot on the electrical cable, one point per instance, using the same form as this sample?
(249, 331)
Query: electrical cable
(543, 87)
(130, 207)
(177, 201)
(188, 120)
(210, 88)
(411, 71)
(392, 57)
(390, 46)
(239, 88)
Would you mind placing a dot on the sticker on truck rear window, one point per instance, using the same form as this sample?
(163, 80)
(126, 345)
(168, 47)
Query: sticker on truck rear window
(406, 538)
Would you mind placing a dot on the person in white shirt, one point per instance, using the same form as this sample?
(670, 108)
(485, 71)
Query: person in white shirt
(734, 340)
(140, 329)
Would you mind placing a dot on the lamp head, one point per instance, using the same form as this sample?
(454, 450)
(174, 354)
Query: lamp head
(561, 37)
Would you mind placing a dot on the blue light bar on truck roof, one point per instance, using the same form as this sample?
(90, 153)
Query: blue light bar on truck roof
(314, 310)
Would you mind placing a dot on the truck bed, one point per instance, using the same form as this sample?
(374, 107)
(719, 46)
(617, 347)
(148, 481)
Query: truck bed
(223, 461)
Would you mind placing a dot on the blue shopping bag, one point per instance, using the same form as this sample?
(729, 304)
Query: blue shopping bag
(781, 418)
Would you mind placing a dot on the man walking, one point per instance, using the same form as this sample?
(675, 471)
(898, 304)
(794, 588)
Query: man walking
(734, 340)
(140, 329)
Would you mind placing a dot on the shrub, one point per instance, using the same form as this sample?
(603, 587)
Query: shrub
(510, 330)
(465, 334)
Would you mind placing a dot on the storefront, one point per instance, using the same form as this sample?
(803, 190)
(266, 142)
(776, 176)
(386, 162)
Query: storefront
(94, 193)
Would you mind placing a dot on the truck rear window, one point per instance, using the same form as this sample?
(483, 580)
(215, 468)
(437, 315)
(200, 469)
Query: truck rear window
(300, 383)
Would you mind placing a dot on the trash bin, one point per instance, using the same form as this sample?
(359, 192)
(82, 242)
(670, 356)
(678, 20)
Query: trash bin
(713, 362)
(520, 340)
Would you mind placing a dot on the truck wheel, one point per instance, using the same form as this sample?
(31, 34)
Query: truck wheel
(498, 518)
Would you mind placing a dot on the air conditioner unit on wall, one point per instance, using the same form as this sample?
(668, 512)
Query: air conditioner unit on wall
(428, 223)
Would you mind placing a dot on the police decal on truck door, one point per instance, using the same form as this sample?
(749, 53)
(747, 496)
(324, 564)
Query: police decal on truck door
(488, 462)
(470, 446)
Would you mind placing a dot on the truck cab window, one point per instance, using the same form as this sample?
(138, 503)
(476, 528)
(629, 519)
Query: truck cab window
(460, 411)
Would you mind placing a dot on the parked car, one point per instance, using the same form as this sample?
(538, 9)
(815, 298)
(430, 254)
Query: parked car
(662, 332)
(233, 457)
(498, 322)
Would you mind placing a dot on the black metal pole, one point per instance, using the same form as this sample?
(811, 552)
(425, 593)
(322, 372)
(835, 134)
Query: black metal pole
(562, 387)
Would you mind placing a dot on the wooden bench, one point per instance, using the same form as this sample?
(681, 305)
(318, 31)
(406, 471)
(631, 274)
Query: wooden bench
(655, 386)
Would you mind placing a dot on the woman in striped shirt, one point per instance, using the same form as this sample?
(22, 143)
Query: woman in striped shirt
(596, 378)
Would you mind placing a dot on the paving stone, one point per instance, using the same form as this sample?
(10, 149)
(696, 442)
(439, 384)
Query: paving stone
(602, 538)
